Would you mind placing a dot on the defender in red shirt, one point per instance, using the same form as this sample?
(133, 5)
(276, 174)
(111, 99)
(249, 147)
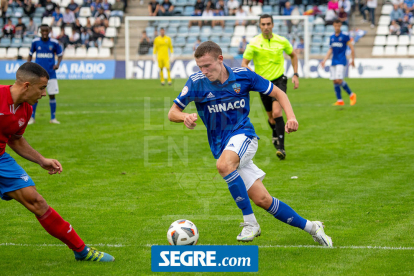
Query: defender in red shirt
(15, 112)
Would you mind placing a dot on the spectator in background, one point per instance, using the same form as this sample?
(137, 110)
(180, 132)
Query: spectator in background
(242, 45)
(63, 38)
(370, 7)
(287, 10)
(88, 26)
(95, 6)
(50, 8)
(399, 3)
(408, 6)
(343, 16)
(196, 44)
(153, 8)
(346, 4)
(84, 38)
(57, 17)
(118, 8)
(102, 17)
(166, 8)
(241, 14)
(144, 44)
(330, 17)
(74, 39)
(77, 25)
(98, 33)
(4, 4)
(220, 5)
(405, 25)
(300, 47)
(333, 5)
(9, 29)
(396, 14)
(199, 7)
(73, 6)
(31, 28)
(20, 29)
(29, 8)
(208, 13)
(232, 5)
(395, 29)
(106, 6)
(68, 17)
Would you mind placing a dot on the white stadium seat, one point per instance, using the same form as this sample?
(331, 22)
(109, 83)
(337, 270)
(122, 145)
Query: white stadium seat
(389, 51)
(380, 40)
(83, 21)
(383, 30)
(235, 41)
(104, 53)
(384, 20)
(68, 31)
(403, 40)
(64, 3)
(239, 31)
(412, 40)
(411, 51)
(47, 20)
(55, 31)
(69, 53)
(110, 32)
(107, 43)
(79, 2)
(251, 30)
(114, 21)
(24, 52)
(246, 9)
(378, 51)
(80, 52)
(257, 10)
(392, 40)
(85, 12)
(386, 9)
(402, 51)
(57, 2)
(92, 20)
(12, 52)
(92, 52)
(3, 52)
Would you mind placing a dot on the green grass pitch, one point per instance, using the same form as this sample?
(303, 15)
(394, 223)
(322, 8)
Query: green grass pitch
(128, 173)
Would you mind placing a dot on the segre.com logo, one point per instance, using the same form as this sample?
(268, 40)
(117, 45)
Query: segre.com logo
(205, 258)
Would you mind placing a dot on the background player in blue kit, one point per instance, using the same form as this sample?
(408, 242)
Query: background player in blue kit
(221, 95)
(45, 49)
(339, 42)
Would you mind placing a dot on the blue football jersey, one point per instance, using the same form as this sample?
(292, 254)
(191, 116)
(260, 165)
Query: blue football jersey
(224, 108)
(338, 45)
(45, 54)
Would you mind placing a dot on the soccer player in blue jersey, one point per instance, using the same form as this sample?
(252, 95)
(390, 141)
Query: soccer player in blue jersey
(339, 42)
(45, 49)
(221, 96)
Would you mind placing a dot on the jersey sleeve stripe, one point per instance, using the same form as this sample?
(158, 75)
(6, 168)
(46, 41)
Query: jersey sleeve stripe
(61, 54)
(268, 91)
(179, 102)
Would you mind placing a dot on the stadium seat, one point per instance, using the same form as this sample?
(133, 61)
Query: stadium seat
(12, 52)
(329, 30)
(37, 20)
(24, 52)
(403, 40)
(234, 51)
(386, 9)
(3, 52)
(83, 21)
(226, 39)
(229, 23)
(164, 24)
(392, 40)
(317, 41)
(178, 11)
(402, 51)
(110, 32)
(217, 30)
(344, 28)
(47, 20)
(215, 38)
(378, 51)
(194, 31)
(55, 31)
(239, 31)
(68, 31)
(257, 10)
(25, 20)
(64, 3)
(178, 51)
(389, 51)
(175, 23)
(39, 11)
(251, 30)
(85, 12)
(224, 50)
(14, 20)
(188, 50)
(315, 50)
(179, 42)
(410, 50)
(69, 53)
(191, 40)
(92, 20)
(246, 9)
(150, 31)
(235, 41)
(188, 11)
(92, 52)
(107, 43)
(267, 9)
(204, 38)
(5, 42)
(228, 30)
(114, 22)
(325, 49)
(80, 52)
(106, 52)
(382, 30)
(27, 42)
(183, 31)
(180, 3)
(326, 41)
(205, 31)
(275, 10)
(171, 32)
(384, 20)
(380, 40)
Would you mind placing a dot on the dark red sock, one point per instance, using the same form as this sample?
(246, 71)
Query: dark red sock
(61, 229)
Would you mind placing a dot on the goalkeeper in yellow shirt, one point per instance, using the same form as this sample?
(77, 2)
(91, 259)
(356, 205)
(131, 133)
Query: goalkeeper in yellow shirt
(161, 45)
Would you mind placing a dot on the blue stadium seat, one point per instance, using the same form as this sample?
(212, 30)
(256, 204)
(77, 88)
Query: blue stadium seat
(179, 42)
(215, 38)
(329, 30)
(27, 42)
(224, 50)
(326, 40)
(344, 28)
(5, 42)
(37, 20)
(205, 31)
(319, 30)
(267, 9)
(1, 32)
(226, 39)
(175, 23)
(194, 31)
(275, 29)
(39, 12)
(14, 20)
(163, 24)
(18, 12)
(180, 3)
(204, 38)
(188, 10)
(315, 50)
(188, 50)
(325, 49)
(171, 31)
(234, 51)
(16, 43)
(191, 40)
(26, 20)
(283, 29)
(150, 31)
(178, 51)
(217, 30)
(228, 30)
(230, 23)
(178, 10)
(275, 10)
(182, 31)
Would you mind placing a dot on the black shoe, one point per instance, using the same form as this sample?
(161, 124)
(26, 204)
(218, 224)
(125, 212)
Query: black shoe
(281, 153)
(275, 142)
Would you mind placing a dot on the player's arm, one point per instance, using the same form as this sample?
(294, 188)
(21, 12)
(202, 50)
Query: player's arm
(59, 53)
(282, 98)
(31, 52)
(245, 63)
(154, 52)
(248, 56)
(22, 148)
(351, 46)
(177, 115)
(328, 54)
(171, 50)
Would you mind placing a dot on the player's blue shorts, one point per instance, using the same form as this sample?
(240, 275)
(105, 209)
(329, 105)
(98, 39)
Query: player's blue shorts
(12, 176)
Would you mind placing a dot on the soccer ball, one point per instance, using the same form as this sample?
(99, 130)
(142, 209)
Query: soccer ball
(182, 232)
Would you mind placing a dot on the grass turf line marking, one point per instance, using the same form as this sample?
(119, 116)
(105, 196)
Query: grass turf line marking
(260, 246)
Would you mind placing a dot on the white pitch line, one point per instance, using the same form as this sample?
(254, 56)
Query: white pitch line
(260, 246)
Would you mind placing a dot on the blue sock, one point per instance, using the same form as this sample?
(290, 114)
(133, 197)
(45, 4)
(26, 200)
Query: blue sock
(285, 214)
(346, 87)
(239, 192)
(34, 110)
(338, 91)
(82, 254)
(52, 104)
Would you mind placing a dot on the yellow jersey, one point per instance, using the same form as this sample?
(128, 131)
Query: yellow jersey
(161, 46)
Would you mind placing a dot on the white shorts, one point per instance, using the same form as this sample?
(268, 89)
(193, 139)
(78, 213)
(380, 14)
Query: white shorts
(52, 87)
(246, 148)
(337, 72)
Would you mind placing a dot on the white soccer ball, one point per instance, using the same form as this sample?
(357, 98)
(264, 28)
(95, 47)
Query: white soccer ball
(182, 232)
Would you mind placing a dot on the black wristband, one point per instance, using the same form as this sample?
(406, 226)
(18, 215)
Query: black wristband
(296, 74)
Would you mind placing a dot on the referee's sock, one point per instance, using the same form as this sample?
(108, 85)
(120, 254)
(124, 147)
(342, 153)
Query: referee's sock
(338, 91)
(280, 131)
(34, 110)
(346, 88)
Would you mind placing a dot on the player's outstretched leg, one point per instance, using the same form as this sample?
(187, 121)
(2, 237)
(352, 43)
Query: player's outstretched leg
(52, 103)
(169, 76)
(337, 87)
(162, 76)
(226, 165)
(32, 119)
(56, 226)
(352, 96)
(286, 214)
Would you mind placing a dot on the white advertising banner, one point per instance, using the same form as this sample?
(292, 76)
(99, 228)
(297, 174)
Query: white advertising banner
(382, 68)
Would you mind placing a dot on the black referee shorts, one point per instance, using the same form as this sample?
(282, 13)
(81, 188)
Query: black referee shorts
(267, 101)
